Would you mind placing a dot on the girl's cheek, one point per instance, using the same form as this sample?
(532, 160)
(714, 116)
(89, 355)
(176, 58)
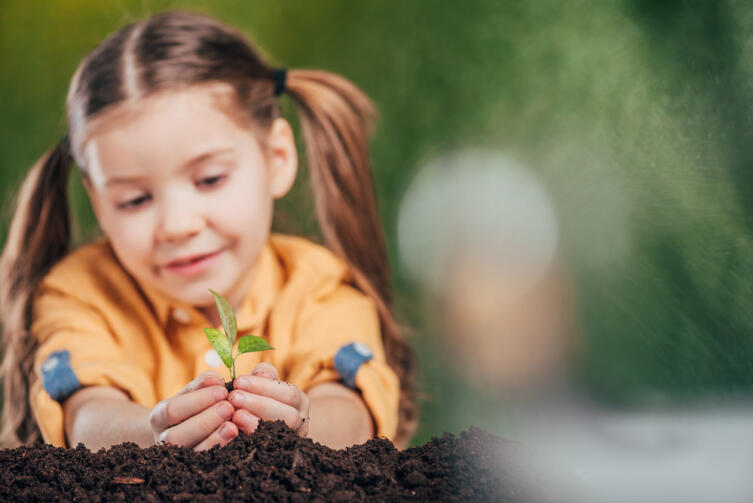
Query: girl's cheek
(135, 233)
(238, 206)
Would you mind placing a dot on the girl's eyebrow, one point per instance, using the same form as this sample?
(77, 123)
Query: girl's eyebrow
(188, 165)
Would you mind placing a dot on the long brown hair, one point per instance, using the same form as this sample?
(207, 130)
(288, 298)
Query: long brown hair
(174, 50)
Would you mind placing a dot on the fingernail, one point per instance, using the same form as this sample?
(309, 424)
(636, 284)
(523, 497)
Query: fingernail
(219, 393)
(237, 399)
(227, 432)
(243, 420)
(242, 382)
(225, 410)
(263, 370)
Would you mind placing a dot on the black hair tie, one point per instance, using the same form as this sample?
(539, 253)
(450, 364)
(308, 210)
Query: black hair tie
(279, 75)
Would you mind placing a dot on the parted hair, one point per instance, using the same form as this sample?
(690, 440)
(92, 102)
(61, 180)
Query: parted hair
(170, 51)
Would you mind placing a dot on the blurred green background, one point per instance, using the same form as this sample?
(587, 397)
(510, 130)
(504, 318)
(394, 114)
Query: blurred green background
(634, 114)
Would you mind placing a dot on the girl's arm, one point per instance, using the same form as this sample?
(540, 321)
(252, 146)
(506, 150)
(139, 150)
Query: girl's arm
(339, 417)
(101, 416)
(197, 416)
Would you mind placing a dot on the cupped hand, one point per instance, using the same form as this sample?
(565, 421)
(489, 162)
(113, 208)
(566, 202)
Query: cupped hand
(198, 416)
(261, 395)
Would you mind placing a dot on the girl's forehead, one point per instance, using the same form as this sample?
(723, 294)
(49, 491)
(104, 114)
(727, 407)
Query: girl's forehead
(165, 130)
(169, 105)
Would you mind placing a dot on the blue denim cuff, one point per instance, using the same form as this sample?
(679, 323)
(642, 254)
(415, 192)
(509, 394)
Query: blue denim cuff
(58, 378)
(349, 359)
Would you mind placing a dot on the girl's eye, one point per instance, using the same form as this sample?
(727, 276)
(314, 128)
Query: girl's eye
(134, 203)
(211, 180)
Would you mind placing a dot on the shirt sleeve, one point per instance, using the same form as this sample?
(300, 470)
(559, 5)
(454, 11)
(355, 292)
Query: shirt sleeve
(77, 348)
(327, 326)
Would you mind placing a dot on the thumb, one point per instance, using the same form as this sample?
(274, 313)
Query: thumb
(266, 370)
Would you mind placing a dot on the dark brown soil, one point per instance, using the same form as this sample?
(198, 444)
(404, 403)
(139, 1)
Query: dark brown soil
(272, 464)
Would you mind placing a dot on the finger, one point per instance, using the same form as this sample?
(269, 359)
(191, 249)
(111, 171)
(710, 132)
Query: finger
(279, 390)
(221, 436)
(246, 422)
(267, 370)
(267, 408)
(178, 408)
(195, 429)
(303, 430)
(206, 378)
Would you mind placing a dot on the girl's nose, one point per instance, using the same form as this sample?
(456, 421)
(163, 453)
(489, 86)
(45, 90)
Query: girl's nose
(179, 223)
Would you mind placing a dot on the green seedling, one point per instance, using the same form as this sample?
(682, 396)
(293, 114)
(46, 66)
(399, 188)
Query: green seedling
(223, 343)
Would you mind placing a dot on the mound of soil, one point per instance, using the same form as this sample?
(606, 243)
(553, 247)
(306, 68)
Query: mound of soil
(272, 464)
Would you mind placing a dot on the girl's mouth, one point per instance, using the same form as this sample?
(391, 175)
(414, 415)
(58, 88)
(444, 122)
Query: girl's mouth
(193, 265)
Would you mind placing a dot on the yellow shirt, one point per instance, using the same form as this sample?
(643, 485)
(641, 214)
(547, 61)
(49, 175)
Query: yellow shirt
(114, 332)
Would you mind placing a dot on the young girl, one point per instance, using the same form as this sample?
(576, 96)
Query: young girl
(175, 125)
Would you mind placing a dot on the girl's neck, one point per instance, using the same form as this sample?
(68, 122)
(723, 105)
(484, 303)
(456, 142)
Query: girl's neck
(234, 297)
(211, 314)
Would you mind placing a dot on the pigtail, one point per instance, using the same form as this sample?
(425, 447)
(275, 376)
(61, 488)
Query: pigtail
(38, 237)
(337, 119)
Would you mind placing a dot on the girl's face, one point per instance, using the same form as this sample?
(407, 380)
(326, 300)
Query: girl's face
(185, 193)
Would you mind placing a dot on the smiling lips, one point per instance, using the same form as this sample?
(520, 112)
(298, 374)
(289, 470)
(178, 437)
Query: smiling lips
(194, 264)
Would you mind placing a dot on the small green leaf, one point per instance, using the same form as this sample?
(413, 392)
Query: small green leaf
(252, 343)
(221, 345)
(227, 316)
